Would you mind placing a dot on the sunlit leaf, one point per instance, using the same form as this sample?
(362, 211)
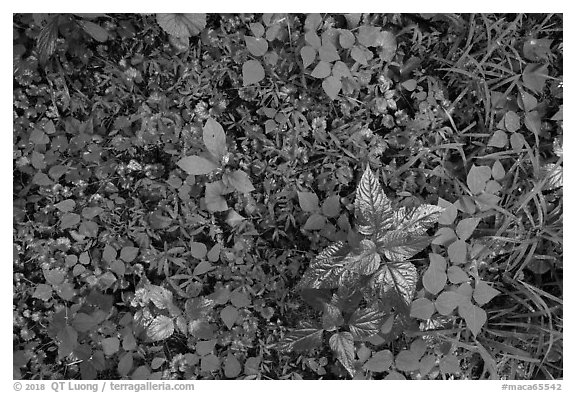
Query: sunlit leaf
(343, 345)
(160, 328)
(365, 322)
(304, 338)
(395, 280)
(373, 208)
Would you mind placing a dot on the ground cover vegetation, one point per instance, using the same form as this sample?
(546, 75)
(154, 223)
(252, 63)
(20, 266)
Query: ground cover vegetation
(287, 196)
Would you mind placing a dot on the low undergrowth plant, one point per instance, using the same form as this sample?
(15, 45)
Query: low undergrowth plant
(360, 284)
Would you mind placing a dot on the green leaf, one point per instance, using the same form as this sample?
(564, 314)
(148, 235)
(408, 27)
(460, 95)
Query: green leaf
(466, 227)
(214, 139)
(387, 42)
(69, 220)
(239, 298)
(474, 316)
(201, 329)
(340, 70)
(203, 348)
(447, 301)
(365, 259)
(477, 178)
(84, 323)
(427, 363)
(125, 364)
(359, 54)
(160, 296)
(232, 366)
(331, 206)
(43, 292)
(198, 250)
(422, 309)
(160, 328)
(512, 121)
(128, 254)
(66, 205)
(444, 236)
(312, 38)
(343, 345)
(94, 30)
(368, 35)
(312, 21)
(483, 292)
(449, 364)
(332, 86)
(202, 268)
(240, 181)
(396, 280)
(315, 222)
(182, 25)
(534, 77)
(533, 122)
(157, 363)
(229, 315)
(304, 338)
(400, 245)
(499, 139)
(308, 55)
(373, 208)
(456, 275)
(233, 218)
(346, 39)
(256, 46)
(407, 360)
(215, 202)
(457, 252)
(308, 202)
(331, 317)
(68, 341)
(210, 363)
(379, 362)
(252, 72)
(110, 345)
(434, 280)
(196, 165)
(326, 269)
(328, 52)
(364, 323)
(498, 171)
(322, 70)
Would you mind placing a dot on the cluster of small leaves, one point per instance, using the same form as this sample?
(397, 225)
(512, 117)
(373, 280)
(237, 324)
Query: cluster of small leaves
(376, 267)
